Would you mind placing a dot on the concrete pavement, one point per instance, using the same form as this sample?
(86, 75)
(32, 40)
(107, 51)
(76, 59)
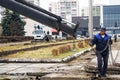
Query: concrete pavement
(73, 70)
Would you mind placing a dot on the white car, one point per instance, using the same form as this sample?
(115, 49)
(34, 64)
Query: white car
(78, 37)
(39, 34)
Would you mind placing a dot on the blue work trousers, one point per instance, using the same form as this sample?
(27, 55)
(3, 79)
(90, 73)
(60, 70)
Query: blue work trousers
(102, 59)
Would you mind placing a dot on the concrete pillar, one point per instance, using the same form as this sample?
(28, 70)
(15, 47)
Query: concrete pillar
(90, 27)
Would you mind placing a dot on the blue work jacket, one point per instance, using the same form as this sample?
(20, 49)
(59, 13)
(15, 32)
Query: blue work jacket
(101, 42)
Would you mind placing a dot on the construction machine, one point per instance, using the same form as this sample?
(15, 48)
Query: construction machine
(41, 15)
(51, 20)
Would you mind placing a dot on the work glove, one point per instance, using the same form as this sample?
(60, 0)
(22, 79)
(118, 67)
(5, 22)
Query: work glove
(91, 44)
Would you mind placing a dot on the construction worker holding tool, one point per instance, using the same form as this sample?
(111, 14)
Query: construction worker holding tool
(102, 42)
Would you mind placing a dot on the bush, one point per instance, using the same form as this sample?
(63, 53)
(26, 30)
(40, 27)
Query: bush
(80, 45)
(64, 49)
(87, 41)
(68, 47)
(61, 50)
(54, 52)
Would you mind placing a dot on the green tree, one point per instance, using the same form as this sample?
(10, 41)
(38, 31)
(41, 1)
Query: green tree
(12, 24)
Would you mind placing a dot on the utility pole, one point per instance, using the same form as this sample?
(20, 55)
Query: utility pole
(90, 26)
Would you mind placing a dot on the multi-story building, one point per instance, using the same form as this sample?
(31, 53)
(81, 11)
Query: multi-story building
(36, 2)
(65, 8)
(83, 27)
(69, 7)
(55, 8)
(96, 11)
(110, 18)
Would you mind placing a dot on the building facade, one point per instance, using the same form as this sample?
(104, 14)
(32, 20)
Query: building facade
(83, 27)
(110, 18)
(1, 15)
(96, 11)
(55, 8)
(1, 12)
(36, 2)
(65, 8)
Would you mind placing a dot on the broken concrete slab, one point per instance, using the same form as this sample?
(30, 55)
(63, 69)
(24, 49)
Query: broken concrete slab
(65, 77)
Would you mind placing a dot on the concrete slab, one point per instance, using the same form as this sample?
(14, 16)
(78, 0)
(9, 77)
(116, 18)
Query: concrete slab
(65, 77)
(32, 68)
(6, 77)
(24, 70)
(15, 68)
(5, 70)
(10, 67)
(2, 64)
(66, 68)
(45, 65)
(15, 65)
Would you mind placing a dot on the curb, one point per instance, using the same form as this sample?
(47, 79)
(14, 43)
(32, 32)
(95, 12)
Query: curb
(22, 60)
(69, 58)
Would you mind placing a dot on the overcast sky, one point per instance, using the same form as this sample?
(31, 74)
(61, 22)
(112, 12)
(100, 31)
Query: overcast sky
(45, 3)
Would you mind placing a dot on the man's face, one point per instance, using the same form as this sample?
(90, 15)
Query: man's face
(102, 32)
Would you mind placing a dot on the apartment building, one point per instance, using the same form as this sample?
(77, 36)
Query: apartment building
(65, 8)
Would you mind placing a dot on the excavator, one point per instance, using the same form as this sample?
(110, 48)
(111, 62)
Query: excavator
(41, 15)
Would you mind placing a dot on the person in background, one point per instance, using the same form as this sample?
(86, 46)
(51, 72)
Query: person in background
(115, 38)
(102, 42)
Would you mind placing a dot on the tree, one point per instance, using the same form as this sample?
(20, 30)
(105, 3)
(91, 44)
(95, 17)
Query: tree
(12, 24)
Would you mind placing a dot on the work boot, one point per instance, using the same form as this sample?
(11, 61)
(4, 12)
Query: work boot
(104, 75)
(99, 75)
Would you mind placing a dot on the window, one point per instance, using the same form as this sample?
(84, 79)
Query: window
(62, 8)
(74, 4)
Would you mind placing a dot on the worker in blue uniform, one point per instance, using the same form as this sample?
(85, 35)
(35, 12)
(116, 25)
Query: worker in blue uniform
(102, 42)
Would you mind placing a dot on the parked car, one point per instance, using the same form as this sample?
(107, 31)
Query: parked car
(39, 35)
(79, 37)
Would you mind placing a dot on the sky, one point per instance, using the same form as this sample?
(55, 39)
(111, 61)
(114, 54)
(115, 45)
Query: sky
(45, 3)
